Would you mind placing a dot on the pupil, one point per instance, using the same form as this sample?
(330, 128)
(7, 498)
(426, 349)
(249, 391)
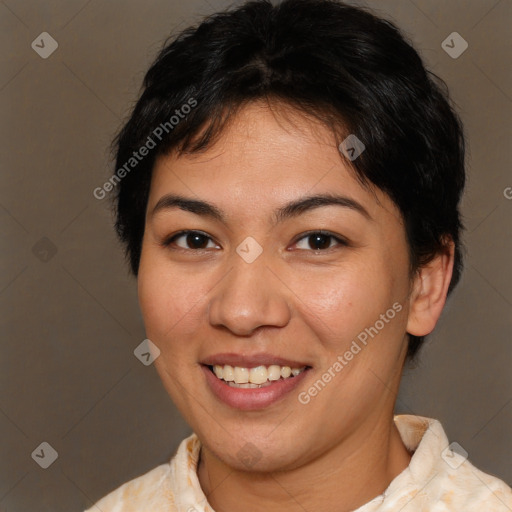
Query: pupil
(196, 240)
(318, 239)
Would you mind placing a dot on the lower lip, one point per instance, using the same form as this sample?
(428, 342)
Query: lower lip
(249, 399)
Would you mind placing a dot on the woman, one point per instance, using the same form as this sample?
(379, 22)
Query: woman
(288, 196)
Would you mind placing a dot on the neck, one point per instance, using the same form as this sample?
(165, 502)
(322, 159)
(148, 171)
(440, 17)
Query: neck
(352, 473)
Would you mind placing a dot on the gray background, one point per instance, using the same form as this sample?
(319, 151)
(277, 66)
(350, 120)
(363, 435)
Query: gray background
(70, 318)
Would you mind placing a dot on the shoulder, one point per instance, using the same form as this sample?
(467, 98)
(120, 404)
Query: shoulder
(164, 488)
(150, 491)
(467, 488)
(440, 475)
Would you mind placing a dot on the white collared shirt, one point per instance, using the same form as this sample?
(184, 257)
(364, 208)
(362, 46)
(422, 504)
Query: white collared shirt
(437, 479)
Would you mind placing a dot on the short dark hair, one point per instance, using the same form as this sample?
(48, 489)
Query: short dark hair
(352, 70)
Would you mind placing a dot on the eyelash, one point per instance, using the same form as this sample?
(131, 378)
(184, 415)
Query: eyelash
(342, 242)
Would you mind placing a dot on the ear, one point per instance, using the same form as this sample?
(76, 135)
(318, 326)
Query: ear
(430, 289)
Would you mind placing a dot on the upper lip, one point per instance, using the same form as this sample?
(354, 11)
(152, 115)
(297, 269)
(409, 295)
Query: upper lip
(251, 360)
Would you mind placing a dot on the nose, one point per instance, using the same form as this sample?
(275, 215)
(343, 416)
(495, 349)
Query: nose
(250, 296)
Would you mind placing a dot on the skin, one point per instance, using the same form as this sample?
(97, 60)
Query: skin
(341, 449)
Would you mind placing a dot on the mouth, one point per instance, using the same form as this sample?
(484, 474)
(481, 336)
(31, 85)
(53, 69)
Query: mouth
(252, 382)
(254, 378)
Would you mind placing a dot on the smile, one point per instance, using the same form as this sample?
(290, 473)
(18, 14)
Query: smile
(252, 378)
(254, 386)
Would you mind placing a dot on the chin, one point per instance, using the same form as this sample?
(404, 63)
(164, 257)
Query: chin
(253, 451)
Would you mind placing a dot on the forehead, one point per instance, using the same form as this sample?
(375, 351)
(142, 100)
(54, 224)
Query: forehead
(263, 158)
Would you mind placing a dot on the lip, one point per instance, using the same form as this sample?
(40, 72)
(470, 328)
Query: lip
(250, 399)
(251, 360)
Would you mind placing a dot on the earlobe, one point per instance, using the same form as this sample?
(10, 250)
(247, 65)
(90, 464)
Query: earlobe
(430, 289)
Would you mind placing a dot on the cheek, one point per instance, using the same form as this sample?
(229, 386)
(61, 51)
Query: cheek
(169, 300)
(169, 306)
(342, 303)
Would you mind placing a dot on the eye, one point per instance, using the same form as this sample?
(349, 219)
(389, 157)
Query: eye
(319, 241)
(190, 240)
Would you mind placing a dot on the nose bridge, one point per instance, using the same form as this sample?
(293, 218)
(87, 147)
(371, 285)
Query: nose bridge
(249, 296)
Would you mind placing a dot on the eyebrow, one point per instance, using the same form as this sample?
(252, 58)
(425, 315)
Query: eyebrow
(289, 210)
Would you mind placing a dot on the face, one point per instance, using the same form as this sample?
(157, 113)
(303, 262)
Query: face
(244, 271)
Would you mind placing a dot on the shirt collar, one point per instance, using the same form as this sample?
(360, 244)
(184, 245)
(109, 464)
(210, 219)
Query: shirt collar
(423, 436)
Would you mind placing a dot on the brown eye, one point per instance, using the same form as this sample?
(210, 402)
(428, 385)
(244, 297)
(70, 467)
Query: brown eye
(191, 240)
(319, 241)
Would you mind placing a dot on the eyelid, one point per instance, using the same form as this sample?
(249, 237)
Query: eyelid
(341, 240)
(168, 240)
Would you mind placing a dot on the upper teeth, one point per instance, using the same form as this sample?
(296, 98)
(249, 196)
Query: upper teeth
(257, 375)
